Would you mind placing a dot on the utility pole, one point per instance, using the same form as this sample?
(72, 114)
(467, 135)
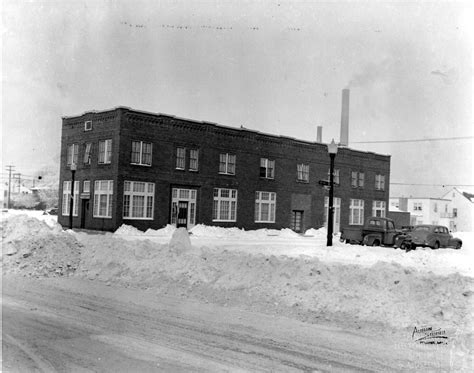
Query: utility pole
(9, 168)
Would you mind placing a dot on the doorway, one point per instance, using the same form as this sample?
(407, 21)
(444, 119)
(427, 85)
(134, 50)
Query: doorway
(84, 212)
(296, 223)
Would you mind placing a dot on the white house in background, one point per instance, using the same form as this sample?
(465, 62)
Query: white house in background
(461, 209)
(425, 210)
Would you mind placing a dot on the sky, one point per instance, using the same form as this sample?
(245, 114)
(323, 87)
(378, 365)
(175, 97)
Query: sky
(273, 66)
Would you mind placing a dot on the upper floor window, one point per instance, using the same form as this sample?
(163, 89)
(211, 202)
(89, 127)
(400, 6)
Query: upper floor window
(227, 163)
(380, 182)
(335, 176)
(417, 206)
(141, 153)
(267, 168)
(265, 206)
(193, 159)
(87, 153)
(302, 171)
(105, 151)
(435, 207)
(72, 154)
(88, 125)
(455, 212)
(180, 158)
(357, 179)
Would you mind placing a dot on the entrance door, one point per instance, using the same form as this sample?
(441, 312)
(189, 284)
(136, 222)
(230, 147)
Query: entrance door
(84, 212)
(182, 220)
(296, 220)
(337, 213)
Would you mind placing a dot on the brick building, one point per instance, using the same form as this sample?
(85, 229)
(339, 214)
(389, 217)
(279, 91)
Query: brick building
(149, 170)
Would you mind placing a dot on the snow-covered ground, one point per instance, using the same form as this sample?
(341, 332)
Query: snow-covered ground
(269, 270)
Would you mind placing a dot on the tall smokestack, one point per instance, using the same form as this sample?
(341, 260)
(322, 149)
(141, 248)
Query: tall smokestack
(319, 136)
(344, 139)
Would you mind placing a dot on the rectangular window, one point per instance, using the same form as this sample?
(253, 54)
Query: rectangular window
(87, 153)
(417, 206)
(361, 179)
(225, 205)
(227, 164)
(138, 200)
(356, 212)
(72, 154)
(88, 125)
(193, 160)
(357, 179)
(335, 176)
(105, 151)
(265, 206)
(378, 209)
(141, 153)
(380, 182)
(302, 172)
(66, 203)
(267, 168)
(180, 158)
(86, 186)
(103, 194)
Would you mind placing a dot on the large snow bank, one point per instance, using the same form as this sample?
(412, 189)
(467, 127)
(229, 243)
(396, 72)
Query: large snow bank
(37, 248)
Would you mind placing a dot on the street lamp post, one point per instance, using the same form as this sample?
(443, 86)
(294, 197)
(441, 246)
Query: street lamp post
(71, 203)
(332, 150)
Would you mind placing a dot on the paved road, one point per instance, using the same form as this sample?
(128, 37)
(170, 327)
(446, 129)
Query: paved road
(71, 325)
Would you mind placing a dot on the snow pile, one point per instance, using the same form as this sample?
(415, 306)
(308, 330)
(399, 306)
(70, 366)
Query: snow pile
(306, 287)
(35, 248)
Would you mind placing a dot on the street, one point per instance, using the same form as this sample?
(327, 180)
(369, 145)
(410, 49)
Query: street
(73, 325)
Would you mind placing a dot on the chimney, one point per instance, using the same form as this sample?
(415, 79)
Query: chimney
(344, 139)
(319, 136)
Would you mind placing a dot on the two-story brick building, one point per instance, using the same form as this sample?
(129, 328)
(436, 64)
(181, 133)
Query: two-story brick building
(149, 170)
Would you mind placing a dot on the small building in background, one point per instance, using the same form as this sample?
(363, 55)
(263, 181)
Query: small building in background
(461, 209)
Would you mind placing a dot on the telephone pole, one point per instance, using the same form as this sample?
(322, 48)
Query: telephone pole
(9, 168)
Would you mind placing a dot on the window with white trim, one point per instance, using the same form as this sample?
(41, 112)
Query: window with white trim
(86, 186)
(87, 153)
(180, 158)
(105, 151)
(380, 182)
(66, 203)
(88, 125)
(103, 197)
(378, 209)
(225, 205)
(357, 179)
(265, 206)
(193, 159)
(302, 171)
(335, 176)
(138, 200)
(227, 163)
(356, 212)
(417, 206)
(141, 153)
(72, 154)
(267, 168)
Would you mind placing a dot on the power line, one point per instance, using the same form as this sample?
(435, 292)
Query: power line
(434, 185)
(413, 140)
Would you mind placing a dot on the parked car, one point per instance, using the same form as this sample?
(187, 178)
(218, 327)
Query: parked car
(375, 232)
(425, 235)
(53, 211)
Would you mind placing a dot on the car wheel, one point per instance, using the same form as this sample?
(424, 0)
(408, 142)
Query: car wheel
(458, 245)
(376, 243)
(436, 245)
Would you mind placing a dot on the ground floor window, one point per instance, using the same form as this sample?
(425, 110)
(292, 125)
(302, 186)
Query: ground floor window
(356, 212)
(138, 200)
(103, 195)
(378, 209)
(67, 198)
(336, 213)
(265, 206)
(225, 205)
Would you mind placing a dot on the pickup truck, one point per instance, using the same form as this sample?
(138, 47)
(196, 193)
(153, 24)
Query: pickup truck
(375, 232)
